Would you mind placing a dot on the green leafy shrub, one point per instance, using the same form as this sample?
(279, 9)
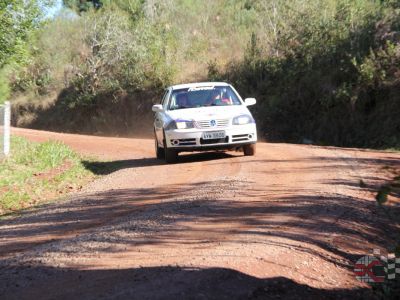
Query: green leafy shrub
(329, 75)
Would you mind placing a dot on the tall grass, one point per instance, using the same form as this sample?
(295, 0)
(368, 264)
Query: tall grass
(36, 172)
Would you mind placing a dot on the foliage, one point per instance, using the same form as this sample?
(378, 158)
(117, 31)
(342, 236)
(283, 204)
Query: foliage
(87, 56)
(18, 20)
(4, 88)
(330, 74)
(160, 40)
(324, 70)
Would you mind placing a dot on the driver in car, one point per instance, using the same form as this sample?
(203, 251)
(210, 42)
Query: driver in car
(219, 98)
(182, 100)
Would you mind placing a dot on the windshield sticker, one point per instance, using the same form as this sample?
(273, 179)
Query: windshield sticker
(201, 88)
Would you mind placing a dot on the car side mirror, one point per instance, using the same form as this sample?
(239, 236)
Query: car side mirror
(157, 108)
(250, 101)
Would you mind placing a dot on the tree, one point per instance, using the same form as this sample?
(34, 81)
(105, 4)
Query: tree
(18, 20)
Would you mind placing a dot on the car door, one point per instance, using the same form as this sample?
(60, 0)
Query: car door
(160, 117)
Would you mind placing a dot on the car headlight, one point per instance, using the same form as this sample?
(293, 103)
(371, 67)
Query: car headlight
(180, 124)
(242, 120)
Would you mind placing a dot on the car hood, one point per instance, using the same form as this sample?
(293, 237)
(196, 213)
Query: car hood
(208, 113)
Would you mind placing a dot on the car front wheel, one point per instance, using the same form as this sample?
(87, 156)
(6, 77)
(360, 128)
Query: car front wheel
(249, 150)
(159, 150)
(171, 155)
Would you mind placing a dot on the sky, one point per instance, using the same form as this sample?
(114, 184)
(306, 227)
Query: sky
(54, 10)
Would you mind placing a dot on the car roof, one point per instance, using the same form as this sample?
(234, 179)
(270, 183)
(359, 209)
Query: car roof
(197, 84)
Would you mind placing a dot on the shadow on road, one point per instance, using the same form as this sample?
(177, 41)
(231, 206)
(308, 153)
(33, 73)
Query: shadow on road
(158, 283)
(108, 167)
(296, 215)
(277, 216)
(302, 219)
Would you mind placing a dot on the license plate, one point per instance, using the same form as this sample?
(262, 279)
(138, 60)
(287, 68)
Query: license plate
(214, 135)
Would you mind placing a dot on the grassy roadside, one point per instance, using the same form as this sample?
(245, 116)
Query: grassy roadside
(37, 172)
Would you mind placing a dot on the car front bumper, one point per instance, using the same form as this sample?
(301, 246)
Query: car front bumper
(192, 139)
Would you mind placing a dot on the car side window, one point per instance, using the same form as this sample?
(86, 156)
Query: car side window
(164, 101)
(163, 97)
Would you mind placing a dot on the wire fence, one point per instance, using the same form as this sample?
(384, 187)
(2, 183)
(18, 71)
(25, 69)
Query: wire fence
(5, 120)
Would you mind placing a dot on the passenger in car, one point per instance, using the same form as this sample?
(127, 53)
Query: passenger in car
(182, 100)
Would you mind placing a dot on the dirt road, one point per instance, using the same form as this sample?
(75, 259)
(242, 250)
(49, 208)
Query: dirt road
(287, 223)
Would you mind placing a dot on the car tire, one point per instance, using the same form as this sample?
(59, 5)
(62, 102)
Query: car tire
(171, 155)
(159, 150)
(249, 150)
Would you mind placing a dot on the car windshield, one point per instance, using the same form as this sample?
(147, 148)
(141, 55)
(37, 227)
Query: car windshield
(203, 96)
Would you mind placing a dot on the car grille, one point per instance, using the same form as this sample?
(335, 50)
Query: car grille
(214, 141)
(220, 123)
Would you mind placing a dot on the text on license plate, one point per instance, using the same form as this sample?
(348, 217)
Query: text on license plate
(214, 135)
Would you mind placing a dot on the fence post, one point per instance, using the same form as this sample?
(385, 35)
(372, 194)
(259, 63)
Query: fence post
(6, 128)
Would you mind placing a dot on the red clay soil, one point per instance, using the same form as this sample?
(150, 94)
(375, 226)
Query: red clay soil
(288, 223)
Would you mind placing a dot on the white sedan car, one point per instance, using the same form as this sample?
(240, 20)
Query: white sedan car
(203, 116)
